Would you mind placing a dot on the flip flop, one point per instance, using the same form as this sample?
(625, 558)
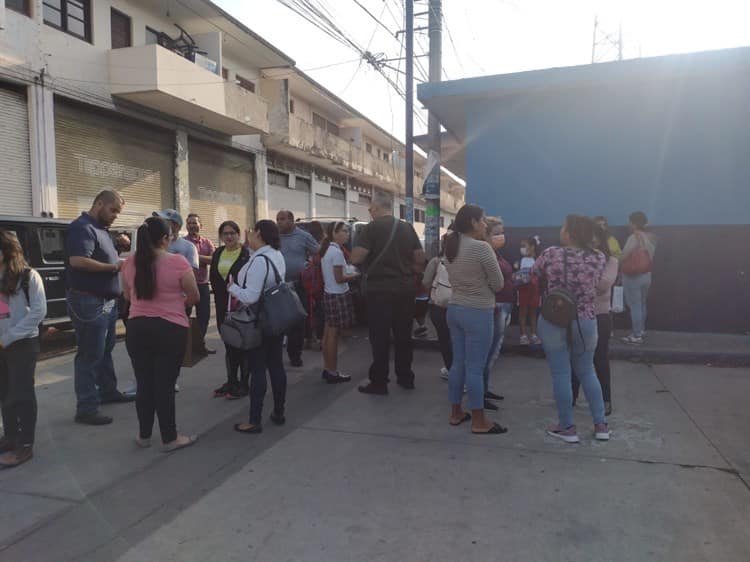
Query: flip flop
(467, 417)
(174, 445)
(254, 429)
(496, 429)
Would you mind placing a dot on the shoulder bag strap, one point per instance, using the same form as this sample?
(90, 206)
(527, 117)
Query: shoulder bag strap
(277, 277)
(387, 244)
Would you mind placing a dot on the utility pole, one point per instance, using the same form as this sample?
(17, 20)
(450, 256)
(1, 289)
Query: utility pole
(409, 172)
(431, 189)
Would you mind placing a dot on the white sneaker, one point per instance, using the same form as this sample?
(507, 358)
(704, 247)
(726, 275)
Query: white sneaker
(524, 340)
(535, 340)
(632, 340)
(444, 373)
(176, 387)
(601, 432)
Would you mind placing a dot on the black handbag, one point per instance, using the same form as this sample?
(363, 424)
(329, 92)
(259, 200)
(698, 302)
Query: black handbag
(280, 306)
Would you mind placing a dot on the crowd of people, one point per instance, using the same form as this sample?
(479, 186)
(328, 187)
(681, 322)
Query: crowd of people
(470, 292)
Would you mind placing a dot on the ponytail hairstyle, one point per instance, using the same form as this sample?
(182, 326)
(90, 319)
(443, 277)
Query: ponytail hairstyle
(580, 231)
(463, 224)
(150, 235)
(13, 260)
(331, 229)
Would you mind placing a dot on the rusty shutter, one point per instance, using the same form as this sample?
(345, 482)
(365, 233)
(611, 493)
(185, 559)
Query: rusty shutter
(221, 186)
(15, 158)
(97, 151)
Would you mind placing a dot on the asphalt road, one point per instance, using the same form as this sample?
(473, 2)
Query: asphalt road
(355, 477)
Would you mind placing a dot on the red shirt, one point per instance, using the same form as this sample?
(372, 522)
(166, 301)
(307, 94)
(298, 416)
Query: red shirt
(205, 248)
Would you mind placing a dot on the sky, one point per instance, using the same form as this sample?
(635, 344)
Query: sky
(484, 37)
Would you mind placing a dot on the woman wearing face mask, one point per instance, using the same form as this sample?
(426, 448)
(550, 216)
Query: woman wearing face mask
(475, 277)
(504, 300)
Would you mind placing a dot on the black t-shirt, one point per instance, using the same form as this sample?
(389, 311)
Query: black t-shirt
(394, 271)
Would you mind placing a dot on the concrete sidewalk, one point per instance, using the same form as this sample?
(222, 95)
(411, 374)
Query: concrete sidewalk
(355, 477)
(731, 350)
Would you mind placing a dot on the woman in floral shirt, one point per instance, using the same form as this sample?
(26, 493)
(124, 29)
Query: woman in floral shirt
(574, 266)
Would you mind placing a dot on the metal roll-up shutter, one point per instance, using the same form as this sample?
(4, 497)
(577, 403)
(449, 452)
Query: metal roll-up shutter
(15, 157)
(98, 151)
(221, 186)
(329, 207)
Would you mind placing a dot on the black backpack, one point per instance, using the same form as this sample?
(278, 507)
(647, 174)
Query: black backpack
(560, 306)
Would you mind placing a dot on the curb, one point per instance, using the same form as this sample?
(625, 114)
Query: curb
(635, 354)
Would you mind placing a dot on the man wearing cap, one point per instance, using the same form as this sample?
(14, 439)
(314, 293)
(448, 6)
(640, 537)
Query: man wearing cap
(179, 245)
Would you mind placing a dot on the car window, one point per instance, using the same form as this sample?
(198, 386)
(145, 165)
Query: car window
(52, 243)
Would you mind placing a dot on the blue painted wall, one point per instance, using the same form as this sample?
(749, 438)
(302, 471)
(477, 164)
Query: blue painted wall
(678, 149)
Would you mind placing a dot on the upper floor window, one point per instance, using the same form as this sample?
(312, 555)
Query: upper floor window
(22, 6)
(385, 156)
(291, 106)
(325, 124)
(368, 147)
(71, 16)
(120, 27)
(302, 184)
(278, 178)
(245, 83)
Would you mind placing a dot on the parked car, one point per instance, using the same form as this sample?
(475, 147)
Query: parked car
(43, 243)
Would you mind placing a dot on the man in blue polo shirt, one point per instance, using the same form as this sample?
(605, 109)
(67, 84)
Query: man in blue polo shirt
(93, 287)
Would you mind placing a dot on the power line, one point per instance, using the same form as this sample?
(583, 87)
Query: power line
(377, 20)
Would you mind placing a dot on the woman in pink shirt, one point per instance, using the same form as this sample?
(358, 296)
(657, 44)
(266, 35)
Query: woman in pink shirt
(159, 286)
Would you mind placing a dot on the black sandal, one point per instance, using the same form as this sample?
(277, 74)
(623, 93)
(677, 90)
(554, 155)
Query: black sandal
(492, 396)
(465, 418)
(254, 429)
(496, 429)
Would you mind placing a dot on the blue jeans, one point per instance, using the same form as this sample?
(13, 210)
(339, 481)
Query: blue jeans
(471, 336)
(579, 355)
(94, 321)
(635, 290)
(501, 320)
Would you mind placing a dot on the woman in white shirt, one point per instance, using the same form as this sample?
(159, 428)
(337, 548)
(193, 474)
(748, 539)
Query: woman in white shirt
(337, 299)
(254, 277)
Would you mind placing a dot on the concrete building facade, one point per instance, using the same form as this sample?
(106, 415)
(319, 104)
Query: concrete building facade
(173, 104)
